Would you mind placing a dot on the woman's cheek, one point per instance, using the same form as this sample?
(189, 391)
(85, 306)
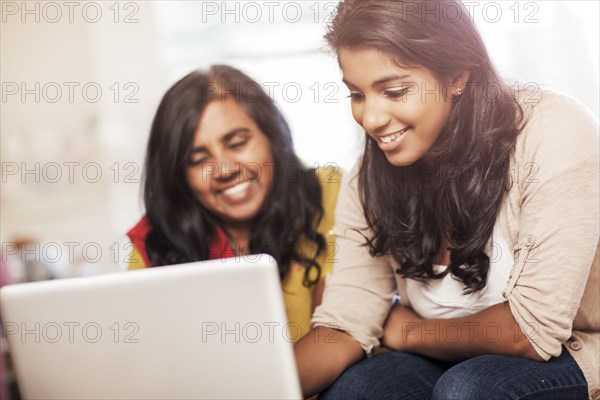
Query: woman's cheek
(357, 114)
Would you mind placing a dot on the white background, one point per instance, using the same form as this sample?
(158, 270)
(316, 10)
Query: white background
(133, 51)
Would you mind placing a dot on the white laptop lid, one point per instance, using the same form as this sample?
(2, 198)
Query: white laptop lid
(213, 329)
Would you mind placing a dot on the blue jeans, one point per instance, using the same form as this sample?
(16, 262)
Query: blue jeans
(396, 375)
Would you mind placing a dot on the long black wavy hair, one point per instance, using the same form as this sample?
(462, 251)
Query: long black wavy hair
(451, 196)
(181, 227)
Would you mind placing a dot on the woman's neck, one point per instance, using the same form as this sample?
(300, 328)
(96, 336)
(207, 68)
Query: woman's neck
(238, 237)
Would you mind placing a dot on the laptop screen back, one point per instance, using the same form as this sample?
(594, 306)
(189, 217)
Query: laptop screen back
(213, 329)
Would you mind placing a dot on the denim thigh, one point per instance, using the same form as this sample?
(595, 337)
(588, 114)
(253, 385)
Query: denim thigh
(493, 377)
(397, 375)
(391, 375)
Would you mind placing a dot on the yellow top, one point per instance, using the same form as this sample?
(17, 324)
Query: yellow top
(297, 297)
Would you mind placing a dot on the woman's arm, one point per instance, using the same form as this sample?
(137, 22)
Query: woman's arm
(356, 300)
(554, 217)
(322, 355)
(491, 331)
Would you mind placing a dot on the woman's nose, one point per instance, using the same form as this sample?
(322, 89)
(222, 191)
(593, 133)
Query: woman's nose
(375, 117)
(228, 166)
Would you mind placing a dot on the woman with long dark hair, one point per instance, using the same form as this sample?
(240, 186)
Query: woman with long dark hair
(221, 179)
(468, 231)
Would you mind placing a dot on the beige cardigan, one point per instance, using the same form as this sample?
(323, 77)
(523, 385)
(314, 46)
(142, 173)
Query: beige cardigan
(551, 218)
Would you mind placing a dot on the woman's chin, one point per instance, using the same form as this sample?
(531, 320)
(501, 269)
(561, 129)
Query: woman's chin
(240, 216)
(400, 160)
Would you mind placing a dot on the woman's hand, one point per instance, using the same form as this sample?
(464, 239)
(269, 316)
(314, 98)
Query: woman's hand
(457, 339)
(321, 357)
(401, 329)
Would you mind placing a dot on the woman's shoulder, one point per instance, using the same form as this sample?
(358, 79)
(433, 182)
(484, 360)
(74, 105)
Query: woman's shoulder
(556, 127)
(544, 101)
(555, 112)
(330, 178)
(137, 244)
(126, 256)
(329, 173)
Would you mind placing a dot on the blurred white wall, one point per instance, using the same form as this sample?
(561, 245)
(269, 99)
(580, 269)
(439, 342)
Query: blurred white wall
(78, 96)
(133, 51)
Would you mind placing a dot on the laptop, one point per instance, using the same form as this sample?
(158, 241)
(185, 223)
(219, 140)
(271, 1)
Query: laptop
(205, 330)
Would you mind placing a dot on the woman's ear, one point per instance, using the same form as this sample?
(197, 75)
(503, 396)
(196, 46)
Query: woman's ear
(461, 81)
(457, 86)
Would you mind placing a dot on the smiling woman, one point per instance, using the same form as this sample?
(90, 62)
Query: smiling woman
(404, 134)
(229, 157)
(222, 180)
(436, 191)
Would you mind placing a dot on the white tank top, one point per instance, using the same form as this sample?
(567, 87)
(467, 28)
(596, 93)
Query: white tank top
(444, 298)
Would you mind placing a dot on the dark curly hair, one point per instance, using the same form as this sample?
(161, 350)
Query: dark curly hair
(453, 195)
(182, 228)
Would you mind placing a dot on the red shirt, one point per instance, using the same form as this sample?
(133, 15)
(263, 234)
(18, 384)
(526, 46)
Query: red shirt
(219, 248)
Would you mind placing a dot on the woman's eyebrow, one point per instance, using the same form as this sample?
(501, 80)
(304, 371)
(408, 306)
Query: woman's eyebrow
(388, 78)
(380, 81)
(348, 83)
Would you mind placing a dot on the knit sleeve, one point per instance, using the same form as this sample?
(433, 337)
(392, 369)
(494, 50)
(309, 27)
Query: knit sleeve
(359, 292)
(558, 221)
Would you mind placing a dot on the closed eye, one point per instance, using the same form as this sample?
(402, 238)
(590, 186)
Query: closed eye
(198, 161)
(395, 94)
(238, 145)
(356, 96)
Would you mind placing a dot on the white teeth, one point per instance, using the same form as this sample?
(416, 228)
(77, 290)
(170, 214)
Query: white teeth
(236, 189)
(394, 136)
(388, 139)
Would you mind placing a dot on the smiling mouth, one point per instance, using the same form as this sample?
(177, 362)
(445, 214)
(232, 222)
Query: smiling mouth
(235, 189)
(393, 136)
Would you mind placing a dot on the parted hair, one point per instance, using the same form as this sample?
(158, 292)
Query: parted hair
(452, 196)
(182, 228)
